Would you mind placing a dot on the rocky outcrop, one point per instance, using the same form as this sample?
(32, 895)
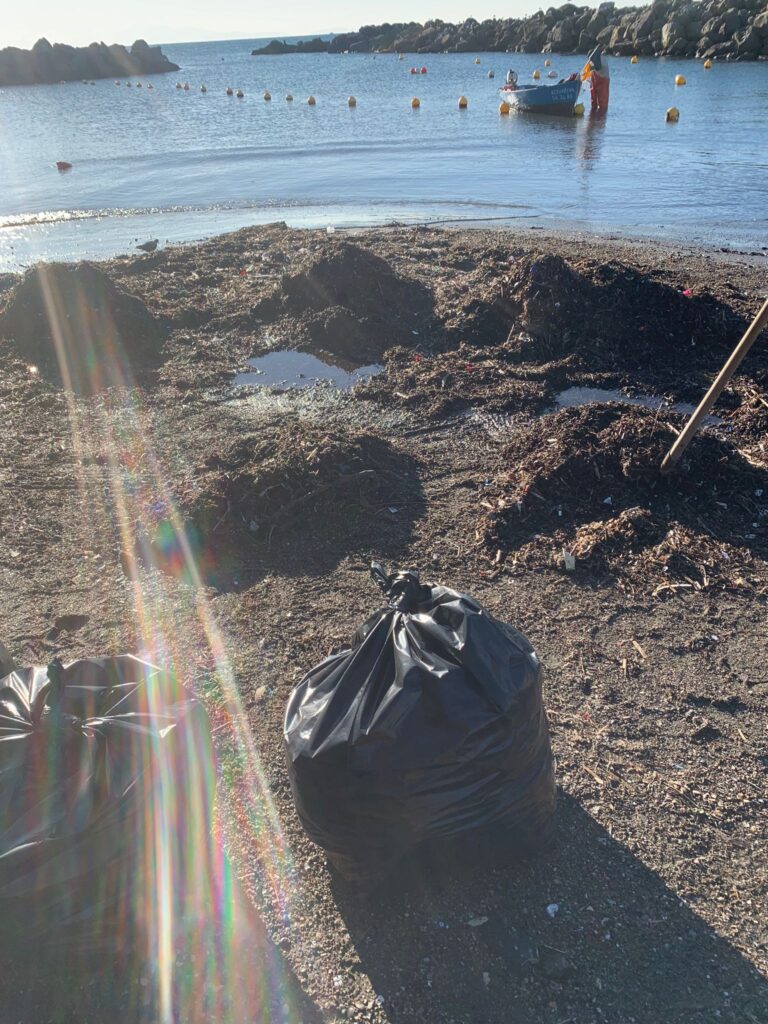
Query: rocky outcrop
(674, 28)
(59, 63)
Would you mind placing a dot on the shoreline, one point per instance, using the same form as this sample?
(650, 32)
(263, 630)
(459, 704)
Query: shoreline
(654, 649)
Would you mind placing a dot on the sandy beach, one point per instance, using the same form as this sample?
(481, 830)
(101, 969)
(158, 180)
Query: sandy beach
(461, 459)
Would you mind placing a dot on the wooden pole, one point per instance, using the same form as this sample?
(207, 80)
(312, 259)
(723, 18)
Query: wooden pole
(684, 438)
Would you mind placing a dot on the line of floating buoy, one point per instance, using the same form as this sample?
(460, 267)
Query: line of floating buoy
(503, 107)
(150, 86)
(633, 59)
(707, 63)
(230, 91)
(351, 102)
(551, 74)
(267, 96)
(415, 103)
(673, 114)
(240, 94)
(289, 98)
(178, 85)
(138, 85)
(128, 85)
(547, 63)
(117, 82)
(463, 103)
(536, 74)
(578, 110)
(186, 87)
(311, 101)
(203, 89)
(679, 79)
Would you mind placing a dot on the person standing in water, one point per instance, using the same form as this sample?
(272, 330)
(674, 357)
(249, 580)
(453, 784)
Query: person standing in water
(596, 70)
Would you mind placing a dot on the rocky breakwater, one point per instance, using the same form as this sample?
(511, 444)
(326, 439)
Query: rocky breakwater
(725, 29)
(59, 63)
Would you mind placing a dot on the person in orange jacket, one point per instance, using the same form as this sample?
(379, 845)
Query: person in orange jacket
(596, 70)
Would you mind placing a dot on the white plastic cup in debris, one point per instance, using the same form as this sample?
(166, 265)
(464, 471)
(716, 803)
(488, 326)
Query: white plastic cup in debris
(569, 561)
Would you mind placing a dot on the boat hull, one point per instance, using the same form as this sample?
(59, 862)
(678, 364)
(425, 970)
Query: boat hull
(544, 99)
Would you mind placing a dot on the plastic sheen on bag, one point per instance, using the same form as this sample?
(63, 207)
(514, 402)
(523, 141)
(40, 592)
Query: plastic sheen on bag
(429, 727)
(106, 797)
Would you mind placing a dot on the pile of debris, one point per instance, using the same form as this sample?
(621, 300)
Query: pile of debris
(610, 318)
(79, 329)
(267, 482)
(581, 490)
(347, 302)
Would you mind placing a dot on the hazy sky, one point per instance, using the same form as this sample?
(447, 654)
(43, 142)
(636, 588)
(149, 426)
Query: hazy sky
(166, 21)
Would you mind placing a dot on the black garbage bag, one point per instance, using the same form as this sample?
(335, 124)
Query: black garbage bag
(106, 797)
(429, 727)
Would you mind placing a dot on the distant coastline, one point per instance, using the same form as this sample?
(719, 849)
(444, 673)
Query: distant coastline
(714, 29)
(47, 63)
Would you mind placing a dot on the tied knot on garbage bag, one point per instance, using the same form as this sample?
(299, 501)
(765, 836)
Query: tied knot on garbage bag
(100, 761)
(429, 728)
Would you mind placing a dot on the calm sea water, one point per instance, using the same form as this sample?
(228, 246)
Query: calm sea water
(178, 165)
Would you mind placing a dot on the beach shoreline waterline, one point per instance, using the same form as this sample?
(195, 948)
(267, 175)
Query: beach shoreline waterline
(178, 164)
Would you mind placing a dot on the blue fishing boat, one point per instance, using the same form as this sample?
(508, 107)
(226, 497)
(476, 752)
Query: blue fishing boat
(543, 99)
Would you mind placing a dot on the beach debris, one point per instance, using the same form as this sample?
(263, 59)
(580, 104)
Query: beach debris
(101, 331)
(549, 499)
(476, 922)
(569, 561)
(149, 246)
(552, 909)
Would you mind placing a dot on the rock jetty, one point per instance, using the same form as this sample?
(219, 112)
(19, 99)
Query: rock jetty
(59, 63)
(666, 28)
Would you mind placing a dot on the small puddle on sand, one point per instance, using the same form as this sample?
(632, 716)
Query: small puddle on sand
(575, 397)
(291, 370)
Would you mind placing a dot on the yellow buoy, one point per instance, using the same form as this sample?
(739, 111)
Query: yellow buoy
(679, 79)
(707, 63)
(240, 94)
(536, 74)
(673, 114)
(578, 110)
(503, 107)
(633, 59)
(547, 63)
(267, 97)
(463, 103)
(351, 102)
(289, 98)
(477, 60)
(415, 102)
(311, 101)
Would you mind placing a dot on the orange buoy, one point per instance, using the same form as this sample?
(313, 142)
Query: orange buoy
(415, 103)
(503, 107)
